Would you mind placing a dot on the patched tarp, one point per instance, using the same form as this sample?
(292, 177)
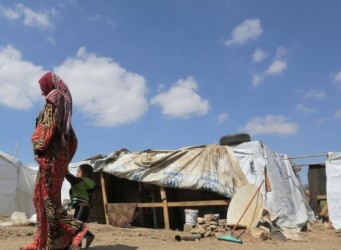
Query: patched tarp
(286, 198)
(209, 167)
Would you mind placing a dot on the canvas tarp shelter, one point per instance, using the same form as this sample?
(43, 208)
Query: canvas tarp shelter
(220, 169)
(213, 168)
(333, 172)
(16, 186)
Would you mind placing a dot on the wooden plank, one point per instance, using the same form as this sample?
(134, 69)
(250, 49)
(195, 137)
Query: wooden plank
(150, 204)
(186, 203)
(267, 181)
(165, 207)
(324, 211)
(104, 196)
(198, 203)
(321, 197)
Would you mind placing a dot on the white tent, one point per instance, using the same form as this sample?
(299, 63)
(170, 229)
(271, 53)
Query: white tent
(16, 186)
(286, 199)
(333, 172)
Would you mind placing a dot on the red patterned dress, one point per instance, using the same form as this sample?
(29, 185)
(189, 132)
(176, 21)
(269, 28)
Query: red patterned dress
(53, 153)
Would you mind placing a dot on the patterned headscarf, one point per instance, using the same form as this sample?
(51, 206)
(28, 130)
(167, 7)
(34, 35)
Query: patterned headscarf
(58, 94)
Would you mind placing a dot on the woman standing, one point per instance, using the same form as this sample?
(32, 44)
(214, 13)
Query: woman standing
(54, 144)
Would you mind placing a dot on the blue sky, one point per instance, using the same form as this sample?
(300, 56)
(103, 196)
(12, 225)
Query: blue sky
(167, 74)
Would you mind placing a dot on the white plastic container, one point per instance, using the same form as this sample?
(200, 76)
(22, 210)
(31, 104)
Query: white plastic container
(191, 216)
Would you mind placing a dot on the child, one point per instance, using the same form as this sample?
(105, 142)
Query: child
(81, 189)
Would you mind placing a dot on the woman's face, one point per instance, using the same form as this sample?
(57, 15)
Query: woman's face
(46, 84)
(44, 91)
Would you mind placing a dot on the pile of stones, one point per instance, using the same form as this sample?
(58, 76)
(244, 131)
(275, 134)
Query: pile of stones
(209, 225)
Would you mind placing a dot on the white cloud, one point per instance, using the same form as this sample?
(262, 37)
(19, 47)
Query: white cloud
(337, 114)
(281, 52)
(259, 55)
(337, 79)
(101, 89)
(319, 122)
(9, 13)
(257, 79)
(270, 124)
(276, 68)
(29, 17)
(182, 100)
(223, 117)
(302, 108)
(248, 30)
(50, 40)
(104, 90)
(95, 18)
(315, 94)
(160, 87)
(18, 80)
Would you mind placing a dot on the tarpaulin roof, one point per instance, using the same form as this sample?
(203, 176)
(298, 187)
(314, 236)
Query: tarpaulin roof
(210, 167)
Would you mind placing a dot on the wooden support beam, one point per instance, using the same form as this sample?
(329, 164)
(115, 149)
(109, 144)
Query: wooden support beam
(321, 197)
(324, 211)
(186, 203)
(104, 196)
(165, 207)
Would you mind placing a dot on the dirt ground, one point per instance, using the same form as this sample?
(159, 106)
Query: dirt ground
(113, 238)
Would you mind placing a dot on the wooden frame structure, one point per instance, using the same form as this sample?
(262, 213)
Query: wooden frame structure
(164, 204)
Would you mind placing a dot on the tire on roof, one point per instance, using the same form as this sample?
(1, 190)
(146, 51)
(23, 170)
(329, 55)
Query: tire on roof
(234, 139)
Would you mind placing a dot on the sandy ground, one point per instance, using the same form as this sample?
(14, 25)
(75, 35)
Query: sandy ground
(112, 238)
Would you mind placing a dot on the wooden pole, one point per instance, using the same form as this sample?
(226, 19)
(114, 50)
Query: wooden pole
(165, 207)
(104, 196)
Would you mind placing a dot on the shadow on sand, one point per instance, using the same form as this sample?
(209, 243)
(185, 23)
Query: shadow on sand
(114, 247)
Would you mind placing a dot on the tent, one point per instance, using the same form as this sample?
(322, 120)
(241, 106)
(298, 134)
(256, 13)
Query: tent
(333, 172)
(16, 186)
(218, 169)
(286, 199)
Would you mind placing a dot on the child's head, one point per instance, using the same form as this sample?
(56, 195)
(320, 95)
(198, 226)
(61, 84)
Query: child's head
(84, 170)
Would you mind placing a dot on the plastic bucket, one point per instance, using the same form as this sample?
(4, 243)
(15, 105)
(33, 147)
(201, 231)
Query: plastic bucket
(191, 216)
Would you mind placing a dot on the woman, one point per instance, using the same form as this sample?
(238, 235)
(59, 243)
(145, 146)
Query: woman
(54, 144)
